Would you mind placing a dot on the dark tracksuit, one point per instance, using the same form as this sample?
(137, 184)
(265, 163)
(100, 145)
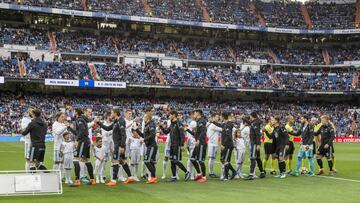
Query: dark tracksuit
(119, 137)
(149, 136)
(227, 141)
(37, 129)
(255, 136)
(177, 139)
(81, 133)
(281, 137)
(198, 156)
(327, 133)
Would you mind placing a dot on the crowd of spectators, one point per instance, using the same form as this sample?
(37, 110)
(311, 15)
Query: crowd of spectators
(85, 42)
(12, 108)
(179, 10)
(331, 16)
(232, 11)
(279, 14)
(302, 56)
(284, 14)
(188, 48)
(26, 37)
(179, 76)
(340, 54)
(36, 69)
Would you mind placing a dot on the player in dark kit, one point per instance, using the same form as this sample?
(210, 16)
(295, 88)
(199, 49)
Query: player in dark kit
(255, 135)
(327, 134)
(83, 144)
(119, 137)
(149, 138)
(199, 153)
(281, 137)
(177, 139)
(37, 129)
(227, 146)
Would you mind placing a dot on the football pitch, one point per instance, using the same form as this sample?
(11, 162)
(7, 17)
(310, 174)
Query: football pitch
(343, 187)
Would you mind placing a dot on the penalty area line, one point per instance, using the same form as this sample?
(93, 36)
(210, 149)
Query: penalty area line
(343, 179)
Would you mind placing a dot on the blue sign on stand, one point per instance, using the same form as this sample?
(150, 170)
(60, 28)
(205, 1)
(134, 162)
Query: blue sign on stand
(86, 83)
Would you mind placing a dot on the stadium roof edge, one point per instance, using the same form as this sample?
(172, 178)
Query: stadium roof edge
(171, 21)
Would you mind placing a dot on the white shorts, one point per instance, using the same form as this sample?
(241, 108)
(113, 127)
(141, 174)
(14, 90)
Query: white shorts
(57, 156)
(127, 152)
(167, 151)
(191, 150)
(135, 156)
(239, 156)
(27, 148)
(108, 147)
(143, 150)
(212, 151)
(68, 161)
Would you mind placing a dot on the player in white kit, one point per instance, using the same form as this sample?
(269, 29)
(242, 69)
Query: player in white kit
(99, 155)
(191, 145)
(213, 133)
(166, 151)
(27, 142)
(58, 130)
(240, 151)
(67, 153)
(107, 141)
(134, 144)
(245, 131)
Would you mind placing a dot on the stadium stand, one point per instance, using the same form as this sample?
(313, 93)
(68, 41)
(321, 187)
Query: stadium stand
(243, 12)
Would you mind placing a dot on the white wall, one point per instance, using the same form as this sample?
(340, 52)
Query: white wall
(35, 54)
(171, 62)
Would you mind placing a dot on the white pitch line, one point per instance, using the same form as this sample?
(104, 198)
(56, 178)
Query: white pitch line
(344, 179)
(329, 177)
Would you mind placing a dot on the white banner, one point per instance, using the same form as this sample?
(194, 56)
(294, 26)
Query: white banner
(352, 62)
(151, 54)
(2, 80)
(107, 84)
(19, 47)
(60, 82)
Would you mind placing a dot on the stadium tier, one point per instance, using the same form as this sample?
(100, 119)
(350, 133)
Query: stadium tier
(312, 15)
(176, 76)
(191, 48)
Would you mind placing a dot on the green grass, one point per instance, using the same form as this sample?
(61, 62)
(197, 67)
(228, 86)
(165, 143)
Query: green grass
(292, 189)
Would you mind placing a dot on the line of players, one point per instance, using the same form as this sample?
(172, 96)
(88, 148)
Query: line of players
(123, 137)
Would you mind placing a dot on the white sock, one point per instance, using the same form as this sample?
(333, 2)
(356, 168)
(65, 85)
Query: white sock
(136, 171)
(56, 166)
(82, 169)
(68, 174)
(211, 165)
(164, 167)
(177, 171)
(62, 169)
(103, 169)
(239, 169)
